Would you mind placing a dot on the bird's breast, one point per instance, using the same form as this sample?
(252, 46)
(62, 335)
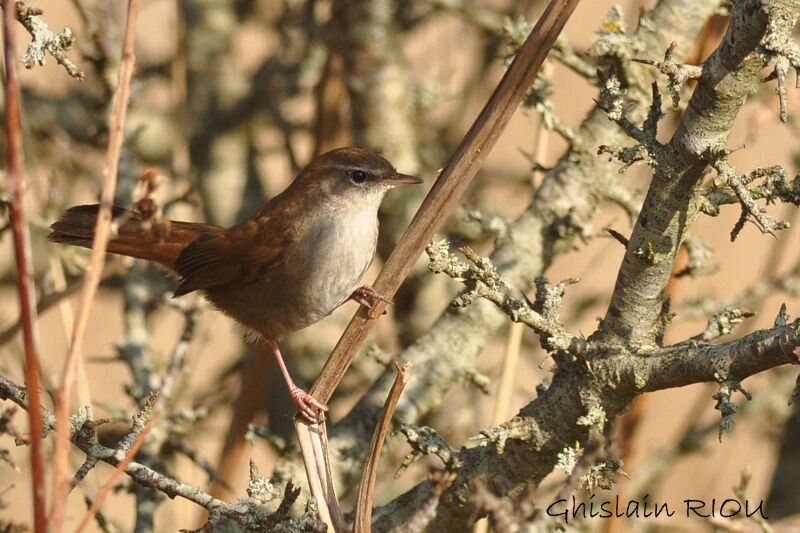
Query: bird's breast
(336, 260)
(318, 271)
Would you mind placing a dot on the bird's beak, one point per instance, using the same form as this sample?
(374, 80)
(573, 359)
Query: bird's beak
(398, 178)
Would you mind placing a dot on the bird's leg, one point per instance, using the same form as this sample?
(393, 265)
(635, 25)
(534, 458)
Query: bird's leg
(368, 297)
(304, 401)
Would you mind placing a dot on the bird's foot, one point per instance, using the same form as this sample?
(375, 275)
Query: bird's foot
(369, 297)
(308, 405)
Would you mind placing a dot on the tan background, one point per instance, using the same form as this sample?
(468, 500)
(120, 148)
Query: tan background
(436, 51)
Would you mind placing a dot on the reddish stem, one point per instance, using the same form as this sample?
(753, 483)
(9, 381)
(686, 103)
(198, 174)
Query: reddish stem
(22, 256)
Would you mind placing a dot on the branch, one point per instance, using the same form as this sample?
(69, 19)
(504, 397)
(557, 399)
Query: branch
(482, 280)
(131, 453)
(728, 75)
(24, 265)
(45, 41)
(525, 449)
(363, 513)
(780, 50)
(727, 176)
(743, 190)
(677, 73)
(249, 512)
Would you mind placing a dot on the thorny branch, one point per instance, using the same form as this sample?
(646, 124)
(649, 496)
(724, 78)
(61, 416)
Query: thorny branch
(649, 150)
(677, 73)
(750, 210)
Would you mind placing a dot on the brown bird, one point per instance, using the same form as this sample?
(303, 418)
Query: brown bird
(284, 268)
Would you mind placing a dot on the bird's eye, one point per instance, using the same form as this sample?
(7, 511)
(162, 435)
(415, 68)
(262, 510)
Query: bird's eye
(358, 176)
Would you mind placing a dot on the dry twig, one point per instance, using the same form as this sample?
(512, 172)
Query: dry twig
(117, 473)
(95, 268)
(362, 522)
(24, 265)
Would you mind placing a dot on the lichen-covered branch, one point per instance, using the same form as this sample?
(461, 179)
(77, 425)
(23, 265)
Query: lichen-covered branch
(727, 78)
(250, 511)
(45, 41)
(482, 281)
(562, 414)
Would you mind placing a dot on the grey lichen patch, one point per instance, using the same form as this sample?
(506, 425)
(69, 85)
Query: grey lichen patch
(612, 98)
(425, 441)
(443, 262)
(518, 428)
(725, 406)
(611, 41)
(77, 419)
(723, 323)
(567, 459)
(639, 379)
(602, 475)
(259, 492)
(46, 42)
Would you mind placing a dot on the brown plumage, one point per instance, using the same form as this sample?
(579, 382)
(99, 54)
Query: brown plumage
(76, 227)
(285, 267)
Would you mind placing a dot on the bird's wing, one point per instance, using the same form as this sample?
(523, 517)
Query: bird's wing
(240, 254)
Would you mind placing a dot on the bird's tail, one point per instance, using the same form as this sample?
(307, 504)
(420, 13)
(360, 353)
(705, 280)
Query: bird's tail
(158, 241)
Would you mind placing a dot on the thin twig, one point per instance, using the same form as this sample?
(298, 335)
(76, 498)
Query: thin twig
(366, 489)
(117, 473)
(313, 440)
(94, 269)
(509, 373)
(44, 41)
(23, 259)
(141, 474)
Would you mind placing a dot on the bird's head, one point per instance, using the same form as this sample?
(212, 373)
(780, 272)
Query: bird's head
(352, 175)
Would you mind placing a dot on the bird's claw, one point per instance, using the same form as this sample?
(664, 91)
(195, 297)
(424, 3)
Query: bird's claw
(368, 297)
(308, 405)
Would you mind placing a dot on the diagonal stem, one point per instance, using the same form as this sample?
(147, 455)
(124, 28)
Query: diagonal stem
(450, 186)
(366, 489)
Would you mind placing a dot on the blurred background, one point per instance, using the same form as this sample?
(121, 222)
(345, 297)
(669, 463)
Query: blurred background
(230, 100)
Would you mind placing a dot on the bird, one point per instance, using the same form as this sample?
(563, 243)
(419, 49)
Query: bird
(280, 270)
